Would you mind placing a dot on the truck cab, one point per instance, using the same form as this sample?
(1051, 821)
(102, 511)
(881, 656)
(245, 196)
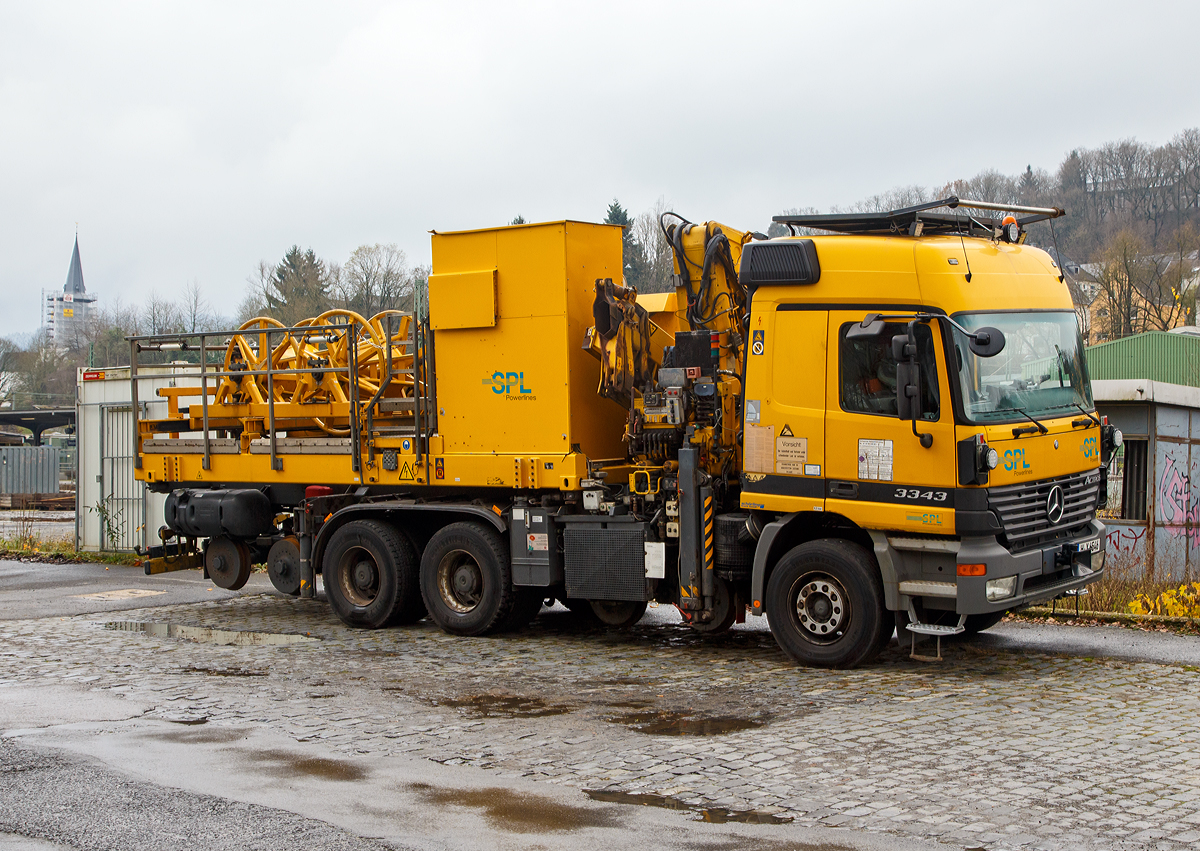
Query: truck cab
(969, 474)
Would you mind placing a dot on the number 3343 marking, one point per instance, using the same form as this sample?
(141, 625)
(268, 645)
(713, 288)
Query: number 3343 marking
(917, 493)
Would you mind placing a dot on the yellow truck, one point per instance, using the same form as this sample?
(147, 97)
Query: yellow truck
(885, 425)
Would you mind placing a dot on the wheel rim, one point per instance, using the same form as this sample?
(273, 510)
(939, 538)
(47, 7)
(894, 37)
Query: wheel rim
(460, 581)
(358, 577)
(820, 608)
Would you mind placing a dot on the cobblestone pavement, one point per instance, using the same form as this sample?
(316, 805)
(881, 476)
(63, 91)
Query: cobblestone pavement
(988, 749)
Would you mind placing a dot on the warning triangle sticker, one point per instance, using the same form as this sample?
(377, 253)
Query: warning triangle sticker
(787, 431)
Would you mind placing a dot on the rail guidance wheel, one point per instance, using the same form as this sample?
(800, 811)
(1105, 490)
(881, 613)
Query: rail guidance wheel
(466, 579)
(228, 562)
(283, 566)
(824, 602)
(370, 575)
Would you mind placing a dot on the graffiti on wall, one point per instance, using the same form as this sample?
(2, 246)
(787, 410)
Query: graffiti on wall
(1125, 539)
(1178, 503)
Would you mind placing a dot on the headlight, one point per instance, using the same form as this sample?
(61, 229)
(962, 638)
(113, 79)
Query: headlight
(1118, 438)
(998, 589)
(991, 458)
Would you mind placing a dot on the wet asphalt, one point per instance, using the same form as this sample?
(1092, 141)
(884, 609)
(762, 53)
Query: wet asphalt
(87, 770)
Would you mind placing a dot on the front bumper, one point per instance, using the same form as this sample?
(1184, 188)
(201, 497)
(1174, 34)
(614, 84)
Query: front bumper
(1043, 574)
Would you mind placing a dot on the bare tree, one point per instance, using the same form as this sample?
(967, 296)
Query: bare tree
(194, 308)
(375, 278)
(161, 316)
(1141, 291)
(657, 269)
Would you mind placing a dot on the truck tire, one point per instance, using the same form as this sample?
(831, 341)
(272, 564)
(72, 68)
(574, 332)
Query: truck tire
(824, 603)
(370, 575)
(726, 606)
(525, 608)
(618, 614)
(466, 579)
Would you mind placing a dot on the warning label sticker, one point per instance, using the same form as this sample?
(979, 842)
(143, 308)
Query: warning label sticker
(538, 542)
(759, 449)
(875, 460)
(791, 453)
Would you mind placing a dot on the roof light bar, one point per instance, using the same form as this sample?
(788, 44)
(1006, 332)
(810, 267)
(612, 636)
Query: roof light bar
(1049, 212)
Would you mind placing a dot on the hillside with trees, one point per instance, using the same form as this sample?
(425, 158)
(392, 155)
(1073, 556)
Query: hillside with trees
(1129, 242)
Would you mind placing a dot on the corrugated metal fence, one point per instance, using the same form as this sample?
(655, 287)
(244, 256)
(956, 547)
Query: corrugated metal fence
(29, 469)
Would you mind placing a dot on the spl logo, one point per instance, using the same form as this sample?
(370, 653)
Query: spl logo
(1014, 461)
(1089, 449)
(510, 385)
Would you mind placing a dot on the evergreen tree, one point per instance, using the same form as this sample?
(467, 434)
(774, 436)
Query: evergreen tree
(634, 255)
(298, 287)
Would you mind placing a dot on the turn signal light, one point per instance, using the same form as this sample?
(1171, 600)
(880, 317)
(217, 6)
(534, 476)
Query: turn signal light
(972, 570)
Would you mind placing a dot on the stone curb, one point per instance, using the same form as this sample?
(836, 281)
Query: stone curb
(1108, 617)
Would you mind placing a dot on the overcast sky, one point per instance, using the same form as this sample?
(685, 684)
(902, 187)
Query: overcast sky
(189, 141)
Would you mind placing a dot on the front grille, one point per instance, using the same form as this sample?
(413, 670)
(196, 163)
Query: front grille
(1022, 509)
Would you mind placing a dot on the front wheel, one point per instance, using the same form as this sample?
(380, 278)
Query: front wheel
(824, 603)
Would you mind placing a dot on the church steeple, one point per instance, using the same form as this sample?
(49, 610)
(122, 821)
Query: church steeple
(74, 285)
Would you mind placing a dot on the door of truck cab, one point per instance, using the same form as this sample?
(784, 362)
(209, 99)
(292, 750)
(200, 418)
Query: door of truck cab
(879, 474)
(783, 440)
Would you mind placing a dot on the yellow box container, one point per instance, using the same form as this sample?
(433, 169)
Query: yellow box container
(512, 376)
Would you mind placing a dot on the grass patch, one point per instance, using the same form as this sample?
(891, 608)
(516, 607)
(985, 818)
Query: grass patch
(27, 545)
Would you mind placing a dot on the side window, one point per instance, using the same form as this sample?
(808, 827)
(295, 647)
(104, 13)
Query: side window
(868, 372)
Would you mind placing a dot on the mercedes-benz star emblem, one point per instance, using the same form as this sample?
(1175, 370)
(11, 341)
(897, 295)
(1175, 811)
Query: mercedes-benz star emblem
(1054, 504)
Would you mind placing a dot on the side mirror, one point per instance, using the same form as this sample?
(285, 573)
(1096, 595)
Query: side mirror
(987, 342)
(908, 390)
(870, 327)
(904, 347)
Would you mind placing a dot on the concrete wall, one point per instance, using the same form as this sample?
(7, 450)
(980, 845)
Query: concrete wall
(1165, 545)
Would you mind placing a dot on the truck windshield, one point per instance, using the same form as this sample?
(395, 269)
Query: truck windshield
(1041, 371)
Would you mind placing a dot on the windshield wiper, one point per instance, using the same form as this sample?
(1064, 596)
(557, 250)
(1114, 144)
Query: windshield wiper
(1090, 417)
(1036, 427)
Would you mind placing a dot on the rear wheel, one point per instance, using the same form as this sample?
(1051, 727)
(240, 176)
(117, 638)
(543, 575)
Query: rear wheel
(466, 580)
(725, 609)
(525, 608)
(370, 576)
(824, 602)
(618, 613)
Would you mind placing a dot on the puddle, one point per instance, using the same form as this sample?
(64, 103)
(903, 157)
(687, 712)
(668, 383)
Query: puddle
(221, 672)
(516, 812)
(629, 704)
(207, 736)
(686, 724)
(187, 718)
(206, 635)
(505, 706)
(713, 815)
(286, 764)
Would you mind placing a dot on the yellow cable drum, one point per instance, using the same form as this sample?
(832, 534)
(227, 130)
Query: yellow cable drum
(309, 364)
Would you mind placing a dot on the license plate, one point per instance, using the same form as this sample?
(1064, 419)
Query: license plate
(1090, 546)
